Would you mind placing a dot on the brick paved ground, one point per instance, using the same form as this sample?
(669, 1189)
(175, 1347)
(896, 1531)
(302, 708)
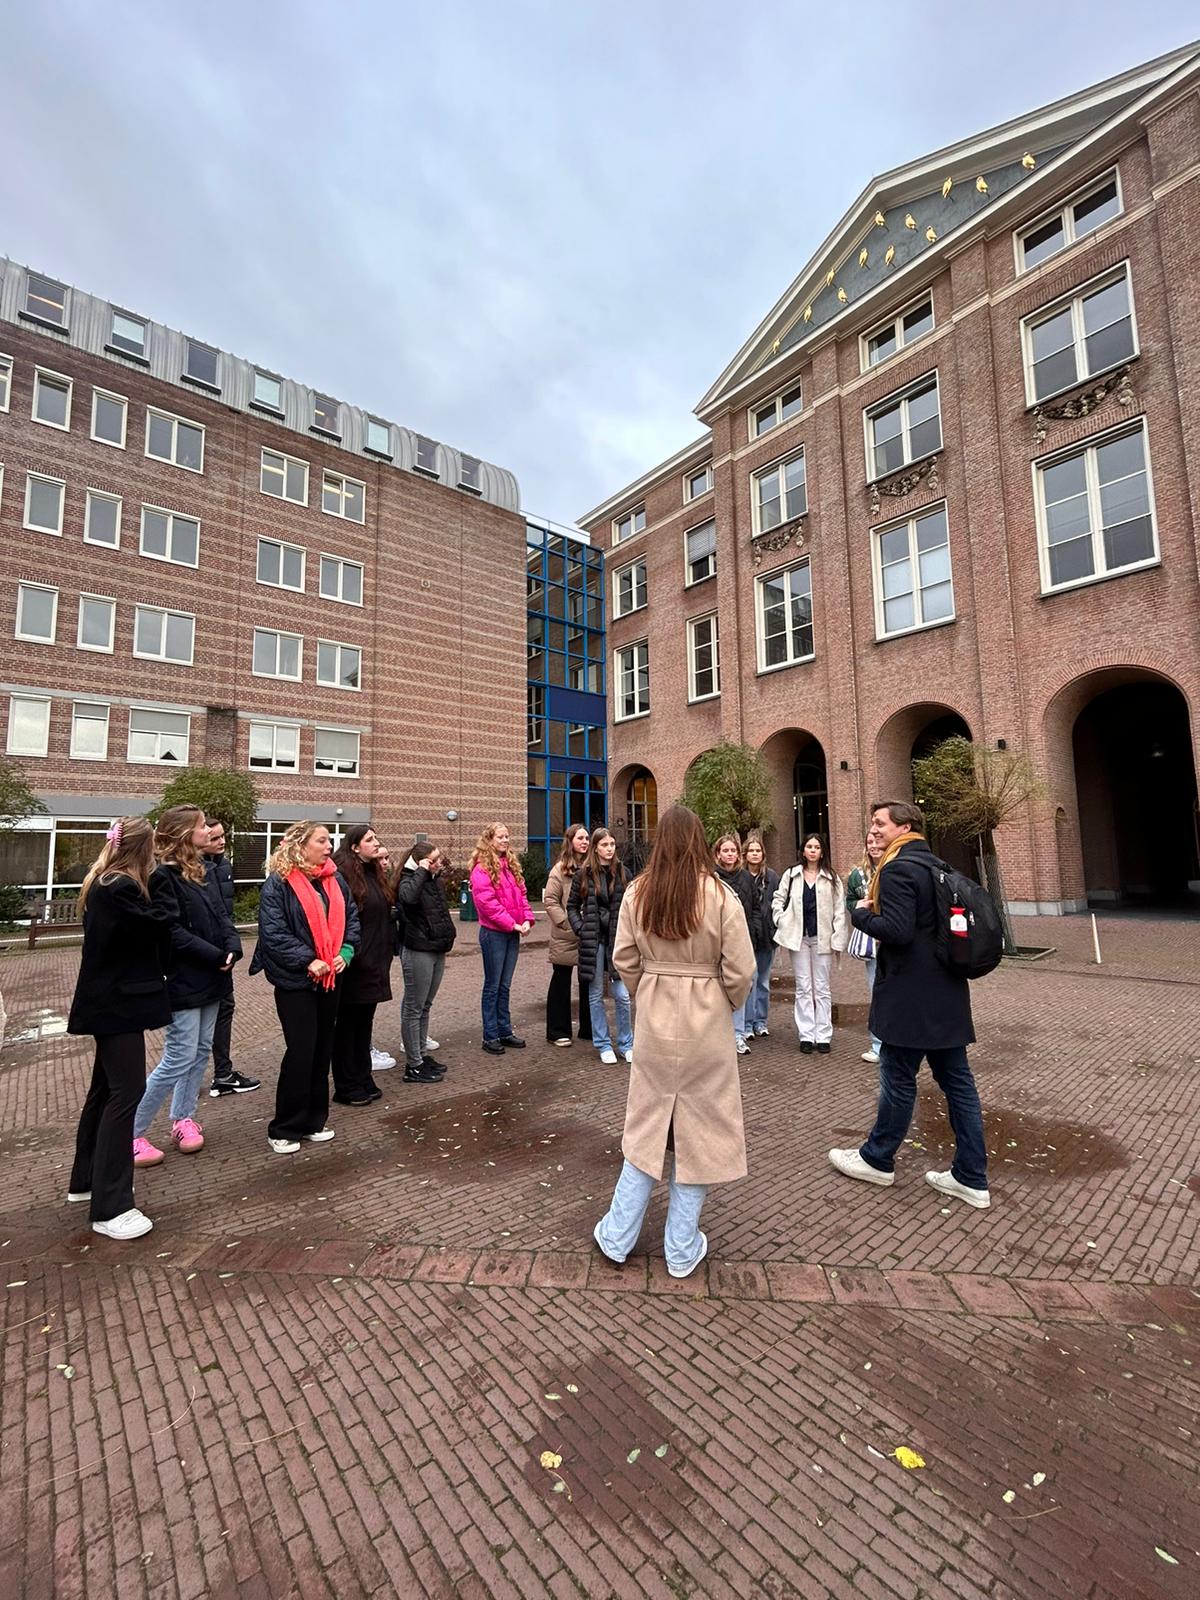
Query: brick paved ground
(335, 1374)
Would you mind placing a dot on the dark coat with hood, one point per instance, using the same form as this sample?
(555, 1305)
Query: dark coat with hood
(201, 939)
(121, 987)
(367, 981)
(285, 946)
(421, 897)
(589, 917)
(916, 1003)
(761, 917)
(742, 884)
(220, 873)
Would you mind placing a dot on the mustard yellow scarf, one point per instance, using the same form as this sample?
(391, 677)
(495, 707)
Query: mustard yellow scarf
(890, 854)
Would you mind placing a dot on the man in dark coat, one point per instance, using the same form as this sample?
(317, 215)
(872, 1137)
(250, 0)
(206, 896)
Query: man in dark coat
(219, 880)
(919, 1009)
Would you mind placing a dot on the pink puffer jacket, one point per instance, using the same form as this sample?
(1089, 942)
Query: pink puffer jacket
(502, 904)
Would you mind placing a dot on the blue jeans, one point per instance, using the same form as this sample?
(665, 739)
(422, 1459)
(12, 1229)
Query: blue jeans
(683, 1243)
(758, 1004)
(500, 952)
(898, 1068)
(600, 1034)
(870, 965)
(186, 1045)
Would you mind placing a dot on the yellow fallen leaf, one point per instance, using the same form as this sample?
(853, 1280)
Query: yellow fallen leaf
(1170, 1560)
(1038, 1477)
(549, 1460)
(572, 1388)
(908, 1458)
(554, 1397)
(661, 1451)
(1009, 1496)
(633, 1455)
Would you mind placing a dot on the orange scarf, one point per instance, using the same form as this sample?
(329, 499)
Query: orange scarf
(890, 854)
(327, 928)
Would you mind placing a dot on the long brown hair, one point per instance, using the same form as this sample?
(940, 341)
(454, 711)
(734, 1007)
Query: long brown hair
(486, 855)
(591, 868)
(568, 861)
(669, 892)
(173, 840)
(360, 874)
(128, 852)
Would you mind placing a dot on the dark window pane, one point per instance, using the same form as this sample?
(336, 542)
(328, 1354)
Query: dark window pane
(1110, 346)
(1096, 208)
(1130, 542)
(1071, 561)
(1043, 242)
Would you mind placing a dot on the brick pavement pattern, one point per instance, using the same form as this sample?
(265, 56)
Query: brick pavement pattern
(337, 1374)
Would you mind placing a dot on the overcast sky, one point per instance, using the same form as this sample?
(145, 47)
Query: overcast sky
(535, 229)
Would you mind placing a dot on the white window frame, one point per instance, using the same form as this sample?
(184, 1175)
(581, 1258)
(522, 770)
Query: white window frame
(877, 535)
(172, 517)
(174, 419)
(384, 450)
(274, 406)
(705, 471)
(338, 761)
(164, 612)
(6, 372)
(1088, 448)
(638, 605)
(157, 760)
(56, 380)
(896, 325)
(93, 705)
(425, 458)
(774, 403)
(104, 600)
(760, 637)
(15, 749)
(281, 545)
(286, 460)
(337, 483)
(325, 405)
(120, 400)
(715, 692)
(37, 638)
(335, 682)
(618, 692)
(276, 728)
(111, 342)
(44, 477)
(901, 398)
(279, 634)
(118, 501)
(779, 465)
(1065, 212)
(688, 581)
(1074, 298)
(342, 564)
(630, 517)
(62, 321)
(213, 383)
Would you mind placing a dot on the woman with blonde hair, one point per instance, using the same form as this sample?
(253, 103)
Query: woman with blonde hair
(727, 853)
(308, 931)
(204, 947)
(682, 947)
(564, 946)
(120, 993)
(498, 889)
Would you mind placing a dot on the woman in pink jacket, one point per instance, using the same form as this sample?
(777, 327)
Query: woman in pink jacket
(498, 889)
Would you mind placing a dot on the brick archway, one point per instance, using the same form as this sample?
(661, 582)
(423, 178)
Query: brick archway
(897, 737)
(795, 761)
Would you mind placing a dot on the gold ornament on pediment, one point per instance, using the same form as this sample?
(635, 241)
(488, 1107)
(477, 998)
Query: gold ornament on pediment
(1028, 162)
(981, 184)
(946, 188)
(862, 258)
(931, 234)
(842, 296)
(880, 220)
(910, 221)
(889, 255)
(829, 279)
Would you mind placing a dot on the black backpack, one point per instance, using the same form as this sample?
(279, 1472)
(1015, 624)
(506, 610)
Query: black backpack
(968, 938)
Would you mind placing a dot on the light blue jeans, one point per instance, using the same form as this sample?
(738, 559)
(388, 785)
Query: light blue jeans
(600, 1034)
(758, 1006)
(186, 1045)
(870, 966)
(683, 1243)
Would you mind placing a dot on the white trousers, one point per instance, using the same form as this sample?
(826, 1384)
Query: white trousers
(814, 1009)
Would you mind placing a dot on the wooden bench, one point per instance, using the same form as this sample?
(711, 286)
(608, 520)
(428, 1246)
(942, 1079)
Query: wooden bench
(53, 917)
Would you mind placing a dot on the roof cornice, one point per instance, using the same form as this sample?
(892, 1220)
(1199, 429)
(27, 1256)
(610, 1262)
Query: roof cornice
(607, 509)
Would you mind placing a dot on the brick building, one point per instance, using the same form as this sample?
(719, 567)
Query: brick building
(951, 483)
(202, 561)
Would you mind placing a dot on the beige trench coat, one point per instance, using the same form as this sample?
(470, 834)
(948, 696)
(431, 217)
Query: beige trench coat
(564, 946)
(684, 1077)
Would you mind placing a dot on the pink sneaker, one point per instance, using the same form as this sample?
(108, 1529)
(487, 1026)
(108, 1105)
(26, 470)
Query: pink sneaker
(145, 1154)
(188, 1134)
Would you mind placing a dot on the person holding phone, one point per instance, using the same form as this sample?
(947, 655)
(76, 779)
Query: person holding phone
(429, 935)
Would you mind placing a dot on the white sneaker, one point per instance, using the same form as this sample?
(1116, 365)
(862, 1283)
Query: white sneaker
(853, 1165)
(743, 1047)
(629, 1056)
(609, 1057)
(75, 1196)
(380, 1060)
(430, 1045)
(762, 1031)
(129, 1225)
(322, 1136)
(695, 1264)
(284, 1147)
(870, 1057)
(947, 1183)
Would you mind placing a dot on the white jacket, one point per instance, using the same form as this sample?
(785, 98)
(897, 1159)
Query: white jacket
(833, 929)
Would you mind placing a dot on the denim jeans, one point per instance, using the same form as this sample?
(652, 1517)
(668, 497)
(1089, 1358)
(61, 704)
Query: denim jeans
(870, 966)
(500, 951)
(186, 1045)
(758, 1005)
(683, 1244)
(600, 1035)
(898, 1068)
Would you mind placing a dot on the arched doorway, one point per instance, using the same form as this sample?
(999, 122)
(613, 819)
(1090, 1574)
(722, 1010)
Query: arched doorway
(641, 807)
(810, 793)
(795, 761)
(905, 737)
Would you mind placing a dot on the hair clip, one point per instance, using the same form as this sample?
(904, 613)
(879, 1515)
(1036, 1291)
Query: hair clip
(113, 836)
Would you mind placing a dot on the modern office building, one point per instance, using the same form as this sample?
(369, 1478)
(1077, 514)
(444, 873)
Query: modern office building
(202, 561)
(951, 483)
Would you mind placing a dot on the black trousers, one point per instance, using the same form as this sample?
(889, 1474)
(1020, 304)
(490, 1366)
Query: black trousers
(104, 1142)
(558, 1006)
(222, 1039)
(352, 1048)
(308, 1017)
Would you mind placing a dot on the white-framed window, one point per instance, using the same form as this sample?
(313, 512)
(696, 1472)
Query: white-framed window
(779, 492)
(336, 753)
(164, 635)
(37, 613)
(97, 623)
(127, 335)
(159, 736)
(704, 658)
(343, 497)
(632, 681)
(341, 580)
(629, 588)
(1095, 507)
(277, 655)
(772, 413)
(697, 482)
(267, 391)
(905, 328)
(174, 439)
(200, 364)
(1082, 214)
(535, 716)
(632, 522)
(6, 367)
(913, 585)
(52, 399)
(89, 731)
(46, 300)
(280, 565)
(470, 474)
(44, 503)
(700, 552)
(109, 415)
(325, 416)
(904, 427)
(1079, 336)
(284, 477)
(102, 519)
(426, 460)
(274, 747)
(168, 536)
(339, 666)
(784, 611)
(28, 726)
(379, 437)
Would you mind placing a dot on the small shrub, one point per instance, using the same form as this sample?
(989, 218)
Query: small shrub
(13, 904)
(533, 865)
(245, 905)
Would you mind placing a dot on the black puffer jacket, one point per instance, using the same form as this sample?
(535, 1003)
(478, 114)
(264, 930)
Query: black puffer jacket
(742, 884)
(285, 945)
(220, 873)
(367, 980)
(428, 924)
(201, 940)
(594, 918)
(762, 919)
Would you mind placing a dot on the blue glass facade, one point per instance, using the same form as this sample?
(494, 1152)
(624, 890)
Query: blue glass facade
(567, 699)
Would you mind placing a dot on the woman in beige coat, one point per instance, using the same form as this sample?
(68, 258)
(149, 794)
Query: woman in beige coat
(683, 950)
(564, 946)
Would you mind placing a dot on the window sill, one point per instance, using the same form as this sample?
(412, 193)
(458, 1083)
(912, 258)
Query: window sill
(908, 466)
(201, 383)
(783, 666)
(695, 583)
(1104, 381)
(637, 716)
(325, 433)
(904, 350)
(703, 699)
(1099, 577)
(469, 488)
(44, 322)
(44, 422)
(920, 627)
(427, 472)
(266, 410)
(55, 533)
(138, 361)
(620, 616)
(379, 455)
(111, 443)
